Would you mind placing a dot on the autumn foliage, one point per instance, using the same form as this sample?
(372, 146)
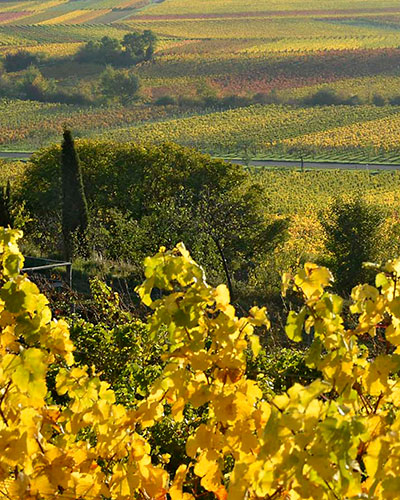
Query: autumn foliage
(337, 438)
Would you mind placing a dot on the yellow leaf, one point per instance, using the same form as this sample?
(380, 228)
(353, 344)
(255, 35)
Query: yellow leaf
(376, 377)
(258, 317)
(313, 279)
(175, 490)
(208, 469)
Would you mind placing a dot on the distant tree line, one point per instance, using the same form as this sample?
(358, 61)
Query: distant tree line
(22, 76)
(112, 85)
(321, 97)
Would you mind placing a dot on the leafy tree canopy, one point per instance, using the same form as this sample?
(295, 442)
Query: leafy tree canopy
(144, 197)
(119, 85)
(134, 48)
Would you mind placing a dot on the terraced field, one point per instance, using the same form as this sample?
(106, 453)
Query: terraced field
(211, 49)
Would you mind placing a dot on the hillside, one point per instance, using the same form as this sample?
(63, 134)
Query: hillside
(213, 62)
(185, 327)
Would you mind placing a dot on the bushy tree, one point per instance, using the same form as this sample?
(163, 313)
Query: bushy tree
(119, 85)
(134, 48)
(379, 100)
(140, 46)
(351, 229)
(19, 61)
(140, 177)
(330, 97)
(7, 86)
(235, 221)
(161, 195)
(105, 51)
(35, 86)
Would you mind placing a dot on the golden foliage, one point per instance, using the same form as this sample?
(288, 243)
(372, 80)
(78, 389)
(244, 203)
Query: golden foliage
(335, 438)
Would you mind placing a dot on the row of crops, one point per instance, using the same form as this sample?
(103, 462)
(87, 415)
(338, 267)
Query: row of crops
(338, 133)
(380, 136)
(365, 88)
(67, 12)
(172, 7)
(343, 133)
(17, 35)
(52, 16)
(223, 6)
(313, 186)
(29, 125)
(66, 5)
(258, 28)
(326, 66)
(362, 73)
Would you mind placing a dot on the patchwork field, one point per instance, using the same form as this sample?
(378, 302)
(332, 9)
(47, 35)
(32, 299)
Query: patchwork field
(275, 53)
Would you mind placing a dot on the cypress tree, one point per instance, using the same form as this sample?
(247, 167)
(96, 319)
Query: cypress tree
(74, 206)
(5, 206)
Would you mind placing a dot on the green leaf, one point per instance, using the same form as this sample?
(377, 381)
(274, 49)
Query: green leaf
(13, 264)
(294, 325)
(314, 354)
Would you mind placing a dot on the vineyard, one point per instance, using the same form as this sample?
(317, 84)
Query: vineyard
(285, 7)
(332, 435)
(213, 49)
(339, 133)
(230, 366)
(30, 125)
(336, 133)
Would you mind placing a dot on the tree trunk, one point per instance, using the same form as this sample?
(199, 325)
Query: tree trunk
(225, 266)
